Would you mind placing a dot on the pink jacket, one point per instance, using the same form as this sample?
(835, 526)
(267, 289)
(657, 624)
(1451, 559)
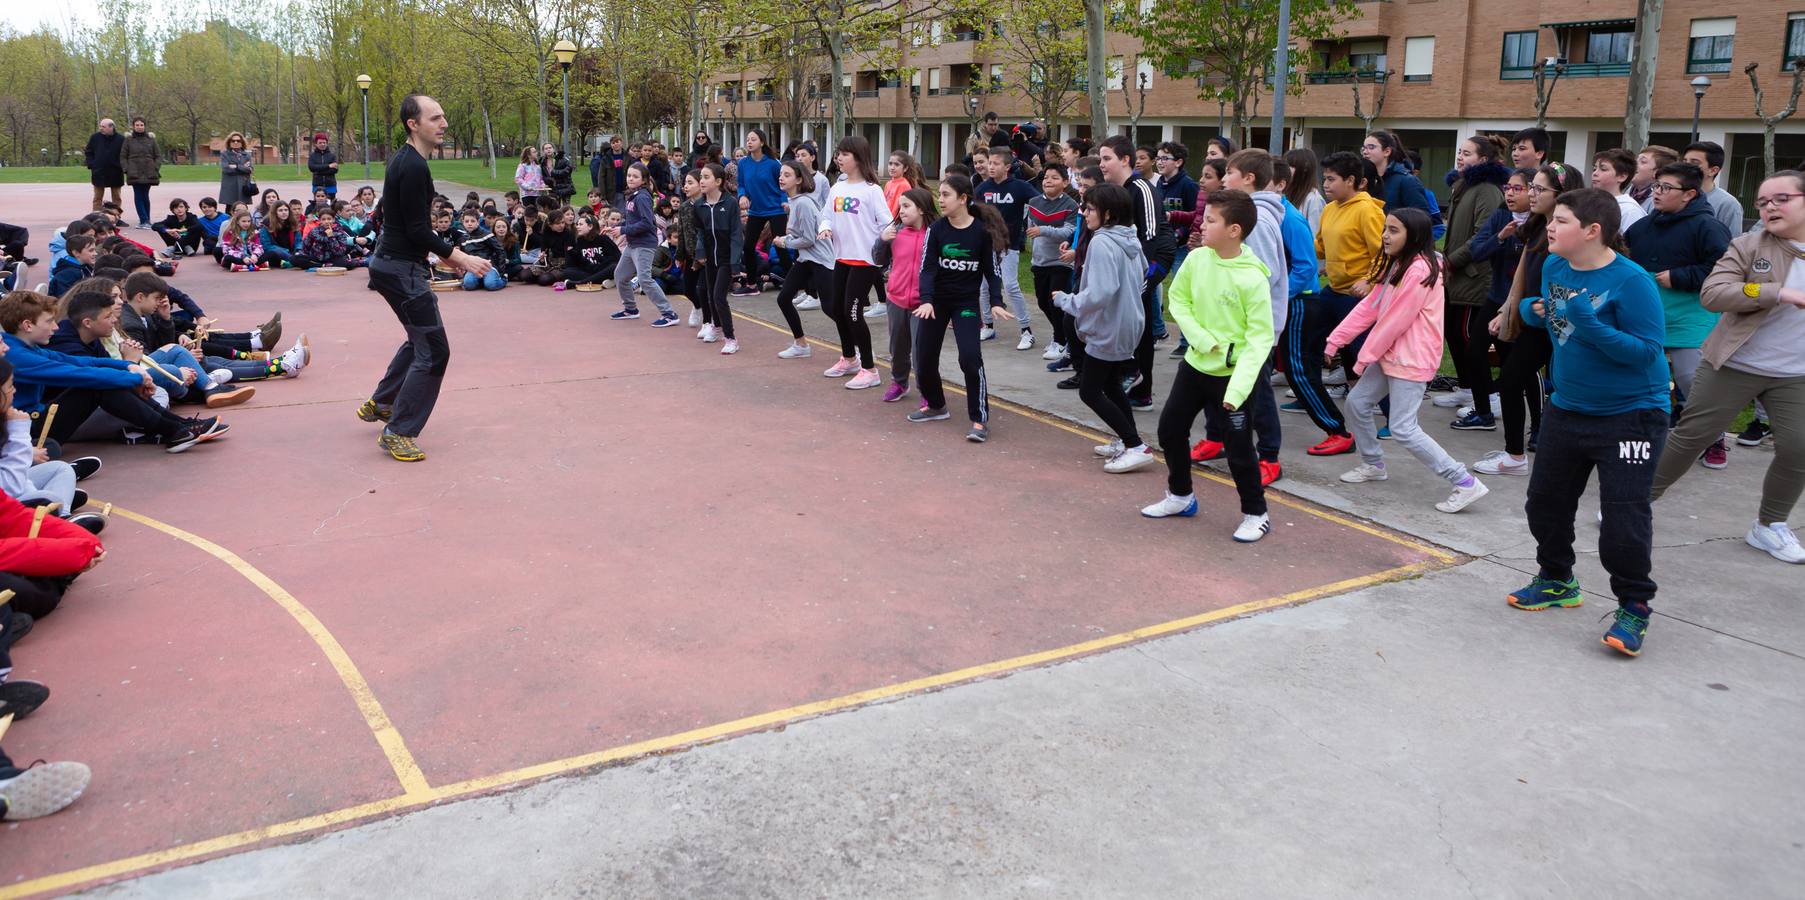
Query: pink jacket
(1406, 322)
(904, 283)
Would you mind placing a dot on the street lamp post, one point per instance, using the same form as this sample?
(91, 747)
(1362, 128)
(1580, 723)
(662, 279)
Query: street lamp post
(566, 52)
(363, 87)
(1699, 86)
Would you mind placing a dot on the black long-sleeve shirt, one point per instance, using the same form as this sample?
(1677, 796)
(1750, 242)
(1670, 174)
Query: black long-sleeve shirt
(406, 209)
(955, 262)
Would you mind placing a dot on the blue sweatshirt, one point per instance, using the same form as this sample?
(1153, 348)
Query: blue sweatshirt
(213, 224)
(636, 223)
(1179, 194)
(1607, 329)
(1300, 249)
(35, 368)
(65, 274)
(758, 184)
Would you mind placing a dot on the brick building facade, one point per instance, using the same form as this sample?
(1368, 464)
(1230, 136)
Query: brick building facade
(1455, 67)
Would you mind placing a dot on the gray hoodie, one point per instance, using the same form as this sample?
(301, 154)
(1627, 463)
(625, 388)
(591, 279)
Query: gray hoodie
(805, 220)
(1107, 307)
(1268, 246)
(1057, 218)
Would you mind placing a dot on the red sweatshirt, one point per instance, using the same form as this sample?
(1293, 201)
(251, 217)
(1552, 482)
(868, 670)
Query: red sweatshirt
(59, 549)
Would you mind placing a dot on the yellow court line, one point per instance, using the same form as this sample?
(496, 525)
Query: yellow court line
(1280, 497)
(413, 781)
(414, 800)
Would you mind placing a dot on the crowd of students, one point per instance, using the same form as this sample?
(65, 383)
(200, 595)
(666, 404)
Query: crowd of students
(1591, 320)
(109, 350)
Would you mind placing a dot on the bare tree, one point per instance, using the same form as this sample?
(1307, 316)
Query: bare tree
(1545, 85)
(1381, 82)
(1769, 123)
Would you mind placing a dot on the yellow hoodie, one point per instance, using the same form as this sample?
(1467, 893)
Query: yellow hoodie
(1350, 239)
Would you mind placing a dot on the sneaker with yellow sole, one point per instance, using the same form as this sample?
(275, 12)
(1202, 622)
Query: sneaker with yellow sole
(370, 412)
(401, 447)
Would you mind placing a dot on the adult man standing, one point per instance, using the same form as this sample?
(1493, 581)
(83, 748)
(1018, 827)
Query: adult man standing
(405, 396)
(143, 166)
(102, 159)
(323, 163)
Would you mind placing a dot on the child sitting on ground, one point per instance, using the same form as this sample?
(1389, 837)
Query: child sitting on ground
(28, 475)
(79, 264)
(482, 243)
(326, 245)
(212, 220)
(240, 248)
(180, 229)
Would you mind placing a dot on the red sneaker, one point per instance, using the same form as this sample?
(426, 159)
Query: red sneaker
(1206, 450)
(1333, 445)
(1270, 472)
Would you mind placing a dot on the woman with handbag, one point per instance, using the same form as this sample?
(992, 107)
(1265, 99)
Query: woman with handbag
(235, 184)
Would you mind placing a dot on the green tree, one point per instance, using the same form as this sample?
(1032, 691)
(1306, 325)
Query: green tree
(1044, 40)
(1229, 44)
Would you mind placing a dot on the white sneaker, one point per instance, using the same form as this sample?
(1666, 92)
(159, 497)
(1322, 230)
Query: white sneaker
(1453, 400)
(1336, 392)
(1109, 450)
(807, 301)
(1253, 528)
(1129, 460)
(796, 351)
(293, 361)
(1278, 379)
(1778, 540)
(710, 334)
(987, 333)
(1337, 375)
(1499, 462)
(1027, 341)
(1172, 506)
(867, 378)
(220, 376)
(1462, 412)
(695, 317)
(1054, 351)
(42, 790)
(1364, 473)
(1463, 497)
(877, 311)
(731, 347)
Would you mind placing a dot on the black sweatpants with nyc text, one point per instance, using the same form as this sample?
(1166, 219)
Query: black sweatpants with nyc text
(1623, 449)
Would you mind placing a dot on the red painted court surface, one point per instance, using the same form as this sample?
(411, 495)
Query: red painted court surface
(619, 536)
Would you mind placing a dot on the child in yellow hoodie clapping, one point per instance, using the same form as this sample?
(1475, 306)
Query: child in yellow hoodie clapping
(1222, 305)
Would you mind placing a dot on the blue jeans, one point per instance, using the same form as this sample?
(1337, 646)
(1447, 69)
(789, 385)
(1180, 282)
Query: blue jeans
(241, 369)
(493, 281)
(174, 359)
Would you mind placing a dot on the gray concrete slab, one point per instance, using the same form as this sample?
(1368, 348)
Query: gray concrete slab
(1414, 739)
(1418, 739)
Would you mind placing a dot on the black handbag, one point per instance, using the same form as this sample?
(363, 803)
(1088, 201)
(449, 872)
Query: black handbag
(250, 190)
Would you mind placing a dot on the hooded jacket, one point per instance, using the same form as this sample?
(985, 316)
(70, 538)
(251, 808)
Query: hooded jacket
(1056, 217)
(1268, 243)
(1107, 307)
(141, 159)
(1406, 323)
(1350, 240)
(1757, 258)
(718, 230)
(1685, 245)
(903, 254)
(1501, 255)
(636, 221)
(801, 237)
(1223, 308)
(1301, 276)
(1400, 188)
(35, 368)
(1478, 192)
(61, 548)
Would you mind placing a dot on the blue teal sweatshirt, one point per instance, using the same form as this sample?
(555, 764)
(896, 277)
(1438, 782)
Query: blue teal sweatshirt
(758, 184)
(1607, 328)
(1300, 248)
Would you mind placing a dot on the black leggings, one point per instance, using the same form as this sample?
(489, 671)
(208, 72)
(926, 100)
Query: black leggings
(846, 306)
(803, 276)
(1470, 342)
(755, 226)
(1100, 387)
(1306, 335)
(34, 595)
(1192, 392)
(1143, 352)
(1048, 279)
(1520, 384)
(717, 279)
(965, 321)
(696, 291)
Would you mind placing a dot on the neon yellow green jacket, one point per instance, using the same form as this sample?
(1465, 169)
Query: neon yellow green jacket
(1223, 308)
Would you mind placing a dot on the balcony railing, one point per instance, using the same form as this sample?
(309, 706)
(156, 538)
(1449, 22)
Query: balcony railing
(977, 36)
(1341, 77)
(871, 92)
(1598, 70)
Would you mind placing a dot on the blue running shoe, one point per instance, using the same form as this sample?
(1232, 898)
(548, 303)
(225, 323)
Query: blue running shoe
(625, 314)
(1542, 593)
(1384, 432)
(1061, 364)
(1295, 406)
(1626, 632)
(1475, 422)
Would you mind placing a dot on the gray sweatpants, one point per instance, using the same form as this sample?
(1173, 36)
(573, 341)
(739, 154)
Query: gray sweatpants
(1406, 396)
(1010, 271)
(638, 261)
(52, 480)
(902, 342)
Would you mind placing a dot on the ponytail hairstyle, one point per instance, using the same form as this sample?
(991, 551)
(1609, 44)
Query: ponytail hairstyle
(1565, 178)
(645, 175)
(717, 170)
(983, 212)
(911, 169)
(1489, 147)
(1419, 241)
(1393, 148)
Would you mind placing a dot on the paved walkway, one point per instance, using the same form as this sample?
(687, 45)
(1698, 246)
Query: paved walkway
(598, 565)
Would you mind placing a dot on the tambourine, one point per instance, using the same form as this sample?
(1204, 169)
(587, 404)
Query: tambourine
(590, 288)
(448, 284)
(330, 270)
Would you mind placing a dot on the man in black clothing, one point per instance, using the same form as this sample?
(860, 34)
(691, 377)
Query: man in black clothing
(101, 156)
(323, 163)
(409, 389)
(1116, 158)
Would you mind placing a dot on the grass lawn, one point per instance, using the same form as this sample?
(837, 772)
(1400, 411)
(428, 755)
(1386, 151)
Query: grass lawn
(472, 172)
